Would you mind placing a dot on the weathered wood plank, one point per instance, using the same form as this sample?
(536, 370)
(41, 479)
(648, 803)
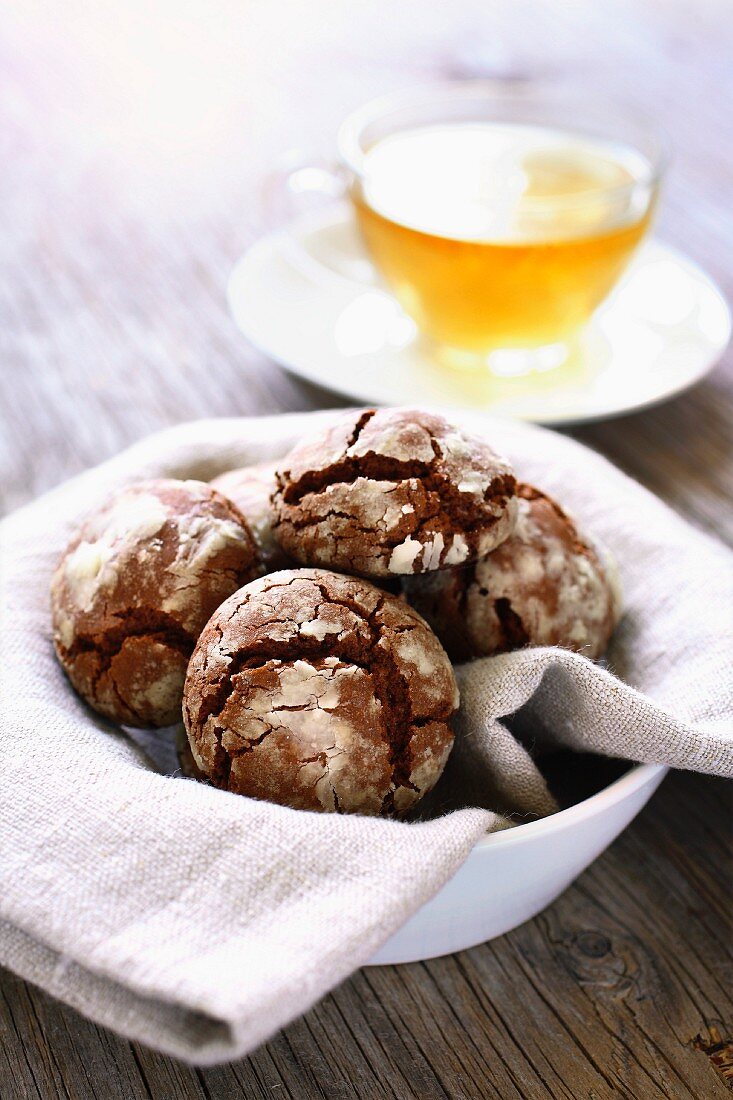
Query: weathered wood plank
(616, 989)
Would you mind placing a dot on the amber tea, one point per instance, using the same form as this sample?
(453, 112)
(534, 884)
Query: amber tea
(501, 235)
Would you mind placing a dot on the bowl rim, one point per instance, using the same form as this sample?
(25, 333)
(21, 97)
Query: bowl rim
(623, 787)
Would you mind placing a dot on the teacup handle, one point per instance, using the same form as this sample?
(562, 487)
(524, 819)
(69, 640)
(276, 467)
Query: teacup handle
(289, 192)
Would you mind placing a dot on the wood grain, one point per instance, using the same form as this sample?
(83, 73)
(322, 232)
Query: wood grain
(615, 990)
(138, 144)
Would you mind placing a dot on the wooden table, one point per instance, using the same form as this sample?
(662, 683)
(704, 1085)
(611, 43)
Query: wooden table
(136, 150)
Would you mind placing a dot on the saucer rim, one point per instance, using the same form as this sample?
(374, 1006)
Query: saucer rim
(274, 241)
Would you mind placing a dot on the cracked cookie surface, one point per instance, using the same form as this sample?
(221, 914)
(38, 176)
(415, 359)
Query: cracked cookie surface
(392, 492)
(250, 489)
(134, 588)
(546, 585)
(320, 692)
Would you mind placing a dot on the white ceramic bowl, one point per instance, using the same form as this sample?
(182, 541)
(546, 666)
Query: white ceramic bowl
(511, 876)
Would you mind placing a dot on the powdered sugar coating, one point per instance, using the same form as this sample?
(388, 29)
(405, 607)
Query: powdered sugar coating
(134, 589)
(392, 491)
(545, 585)
(250, 489)
(321, 692)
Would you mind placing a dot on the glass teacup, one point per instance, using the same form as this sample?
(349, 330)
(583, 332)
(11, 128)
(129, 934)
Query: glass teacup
(500, 219)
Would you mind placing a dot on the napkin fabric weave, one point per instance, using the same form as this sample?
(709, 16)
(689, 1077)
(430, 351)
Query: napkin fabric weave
(198, 921)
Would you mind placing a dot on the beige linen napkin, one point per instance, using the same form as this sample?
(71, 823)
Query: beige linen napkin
(200, 922)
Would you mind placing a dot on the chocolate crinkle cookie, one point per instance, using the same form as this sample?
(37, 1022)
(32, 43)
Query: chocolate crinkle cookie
(250, 489)
(320, 692)
(392, 491)
(545, 585)
(134, 589)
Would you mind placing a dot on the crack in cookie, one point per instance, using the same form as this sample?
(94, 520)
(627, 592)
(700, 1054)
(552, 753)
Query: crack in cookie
(135, 587)
(322, 692)
(546, 584)
(392, 491)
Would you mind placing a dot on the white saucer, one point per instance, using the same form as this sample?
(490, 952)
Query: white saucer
(309, 298)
